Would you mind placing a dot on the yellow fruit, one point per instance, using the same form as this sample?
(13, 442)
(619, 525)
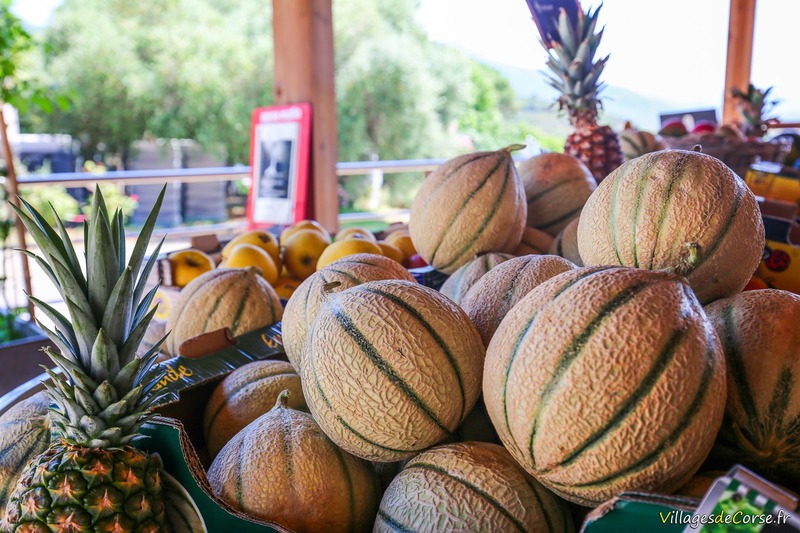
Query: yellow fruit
(188, 264)
(402, 239)
(263, 239)
(301, 252)
(355, 232)
(304, 224)
(285, 287)
(250, 255)
(391, 251)
(340, 249)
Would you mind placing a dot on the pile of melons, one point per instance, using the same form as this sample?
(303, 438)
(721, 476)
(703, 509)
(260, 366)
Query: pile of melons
(594, 337)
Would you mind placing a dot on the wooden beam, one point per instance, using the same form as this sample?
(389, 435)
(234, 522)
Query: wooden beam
(304, 72)
(13, 193)
(741, 27)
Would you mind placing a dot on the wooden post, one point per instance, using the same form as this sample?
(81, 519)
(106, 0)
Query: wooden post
(304, 72)
(13, 192)
(740, 53)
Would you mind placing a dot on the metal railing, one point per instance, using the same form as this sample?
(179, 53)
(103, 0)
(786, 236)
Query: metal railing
(375, 169)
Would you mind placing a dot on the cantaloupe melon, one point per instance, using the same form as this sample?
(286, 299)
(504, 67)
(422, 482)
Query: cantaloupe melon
(636, 143)
(761, 340)
(556, 187)
(493, 296)
(282, 468)
(239, 299)
(471, 486)
(566, 244)
(302, 307)
(391, 368)
(24, 434)
(245, 394)
(676, 209)
(533, 242)
(471, 204)
(606, 379)
(460, 281)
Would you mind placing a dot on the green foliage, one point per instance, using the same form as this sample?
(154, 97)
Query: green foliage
(16, 88)
(154, 68)
(115, 199)
(42, 198)
(196, 69)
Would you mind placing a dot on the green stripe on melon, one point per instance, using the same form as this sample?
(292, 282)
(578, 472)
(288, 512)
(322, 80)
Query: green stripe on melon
(556, 187)
(24, 434)
(283, 469)
(566, 243)
(302, 307)
(652, 209)
(635, 143)
(497, 291)
(239, 299)
(245, 394)
(461, 281)
(630, 346)
(415, 356)
(471, 486)
(761, 341)
(471, 204)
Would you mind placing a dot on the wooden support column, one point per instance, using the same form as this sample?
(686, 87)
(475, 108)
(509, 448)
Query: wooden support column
(304, 72)
(13, 193)
(741, 27)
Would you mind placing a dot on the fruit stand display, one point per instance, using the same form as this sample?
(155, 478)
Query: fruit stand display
(580, 353)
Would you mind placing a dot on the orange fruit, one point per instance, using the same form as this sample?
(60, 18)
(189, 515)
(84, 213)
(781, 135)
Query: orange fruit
(391, 251)
(302, 250)
(402, 239)
(249, 255)
(355, 232)
(262, 239)
(340, 249)
(285, 287)
(304, 224)
(188, 264)
(755, 283)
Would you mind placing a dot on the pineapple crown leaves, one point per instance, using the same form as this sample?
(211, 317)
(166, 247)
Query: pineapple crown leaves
(754, 103)
(574, 72)
(109, 312)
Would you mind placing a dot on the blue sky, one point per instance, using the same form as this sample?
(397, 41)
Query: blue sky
(673, 51)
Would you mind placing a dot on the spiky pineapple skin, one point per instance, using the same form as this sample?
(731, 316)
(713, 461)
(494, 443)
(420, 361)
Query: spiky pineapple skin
(597, 147)
(73, 489)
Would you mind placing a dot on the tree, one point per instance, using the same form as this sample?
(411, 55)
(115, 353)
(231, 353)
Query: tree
(196, 69)
(22, 92)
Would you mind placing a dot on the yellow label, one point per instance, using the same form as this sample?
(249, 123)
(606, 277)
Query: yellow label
(780, 267)
(162, 301)
(774, 186)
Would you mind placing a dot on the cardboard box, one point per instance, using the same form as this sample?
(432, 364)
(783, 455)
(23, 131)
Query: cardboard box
(780, 266)
(738, 501)
(177, 433)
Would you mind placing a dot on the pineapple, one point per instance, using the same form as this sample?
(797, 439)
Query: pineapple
(575, 75)
(91, 478)
(752, 105)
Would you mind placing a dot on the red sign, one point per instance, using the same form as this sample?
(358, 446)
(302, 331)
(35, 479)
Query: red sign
(279, 161)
